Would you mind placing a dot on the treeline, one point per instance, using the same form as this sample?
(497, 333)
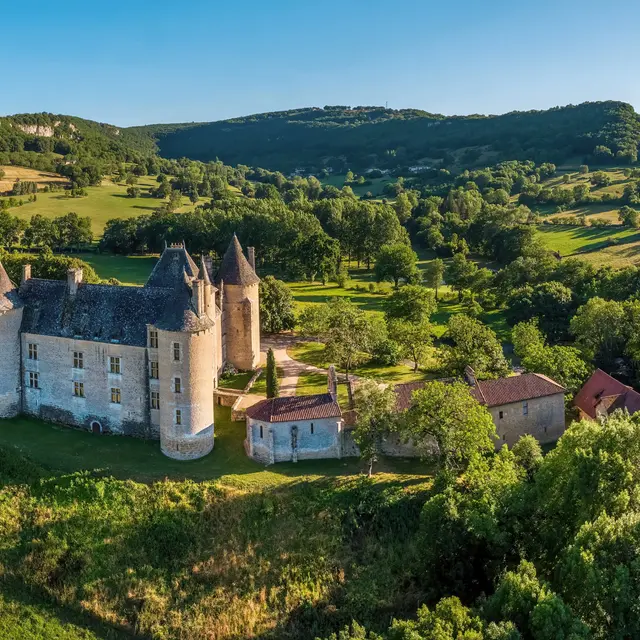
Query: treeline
(361, 138)
(46, 265)
(69, 231)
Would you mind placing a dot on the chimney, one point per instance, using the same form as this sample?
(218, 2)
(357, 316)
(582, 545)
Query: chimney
(332, 382)
(74, 278)
(198, 296)
(470, 376)
(26, 272)
(251, 255)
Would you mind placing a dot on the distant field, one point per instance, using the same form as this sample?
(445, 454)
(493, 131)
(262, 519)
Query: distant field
(102, 204)
(43, 178)
(583, 241)
(130, 270)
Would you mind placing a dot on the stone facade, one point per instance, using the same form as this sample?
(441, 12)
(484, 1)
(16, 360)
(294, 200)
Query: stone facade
(270, 442)
(542, 418)
(139, 361)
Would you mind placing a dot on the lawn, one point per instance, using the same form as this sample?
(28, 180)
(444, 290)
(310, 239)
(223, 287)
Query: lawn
(376, 186)
(130, 270)
(64, 450)
(582, 240)
(102, 204)
(315, 382)
(313, 353)
(238, 381)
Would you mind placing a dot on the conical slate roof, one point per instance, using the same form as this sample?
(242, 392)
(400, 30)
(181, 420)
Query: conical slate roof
(9, 298)
(235, 268)
(171, 267)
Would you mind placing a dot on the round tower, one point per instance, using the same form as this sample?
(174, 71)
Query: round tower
(10, 323)
(240, 307)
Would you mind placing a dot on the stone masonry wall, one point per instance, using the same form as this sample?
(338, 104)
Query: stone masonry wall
(242, 326)
(55, 399)
(10, 396)
(545, 420)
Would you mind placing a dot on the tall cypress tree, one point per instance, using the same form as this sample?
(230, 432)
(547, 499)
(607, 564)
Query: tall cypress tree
(272, 376)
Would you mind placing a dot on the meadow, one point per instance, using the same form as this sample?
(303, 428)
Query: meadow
(103, 203)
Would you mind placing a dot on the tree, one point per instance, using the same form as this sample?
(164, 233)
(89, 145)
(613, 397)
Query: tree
(528, 454)
(272, 375)
(402, 206)
(629, 217)
(560, 363)
(40, 232)
(414, 338)
(475, 345)
(584, 168)
(396, 262)
(447, 423)
(460, 274)
(375, 419)
(133, 192)
(276, 306)
(316, 253)
(433, 273)
(412, 302)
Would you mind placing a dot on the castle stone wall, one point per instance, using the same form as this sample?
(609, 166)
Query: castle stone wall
(10, 396)
(55, 400)
(242, 326)
(193, 438)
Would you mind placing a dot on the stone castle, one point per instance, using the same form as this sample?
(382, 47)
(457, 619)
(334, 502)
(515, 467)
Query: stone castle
(141, 361)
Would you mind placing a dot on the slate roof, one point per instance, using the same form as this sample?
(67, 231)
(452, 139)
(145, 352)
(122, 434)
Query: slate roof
(604, 393)
(292, 408)
(235, 268)
(170, 269)
(494, 393)
(9, 298)
(113, 313)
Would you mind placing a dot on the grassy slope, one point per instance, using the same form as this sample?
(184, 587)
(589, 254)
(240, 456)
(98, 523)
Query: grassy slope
(102, 204)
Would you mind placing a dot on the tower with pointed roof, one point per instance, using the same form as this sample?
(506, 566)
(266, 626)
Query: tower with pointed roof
(11, 309)
(239, 283)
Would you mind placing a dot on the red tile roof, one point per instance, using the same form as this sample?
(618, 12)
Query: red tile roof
(404, 393)
(494, 393)
(291, 408)
(604, 393)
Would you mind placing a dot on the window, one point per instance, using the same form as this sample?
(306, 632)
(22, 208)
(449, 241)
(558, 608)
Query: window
(176, 351)
(312, 428)
(177, 385)
(116, 397)
(155, 400)
(33, 351)
(33, 380)
(78, 389)
(114, 364)
(153, 338)
(504, 437)
(78, 360)
(261, 434)
(178, 416)
(154, 370)
(501, 414)
(525, 408)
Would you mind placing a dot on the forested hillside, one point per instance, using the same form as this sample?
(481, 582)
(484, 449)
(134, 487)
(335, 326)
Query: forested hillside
(359, 138)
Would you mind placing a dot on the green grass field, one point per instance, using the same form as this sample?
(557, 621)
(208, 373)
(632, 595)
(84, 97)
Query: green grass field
(569, 241)
(376, 186)
(102, 204)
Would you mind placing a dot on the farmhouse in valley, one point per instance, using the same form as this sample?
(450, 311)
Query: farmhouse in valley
(140, 361)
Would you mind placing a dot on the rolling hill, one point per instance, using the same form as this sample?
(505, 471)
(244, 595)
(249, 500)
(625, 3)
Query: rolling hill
(359, 138)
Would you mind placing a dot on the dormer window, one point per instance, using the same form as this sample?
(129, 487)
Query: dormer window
(176, 352)
(33, 351)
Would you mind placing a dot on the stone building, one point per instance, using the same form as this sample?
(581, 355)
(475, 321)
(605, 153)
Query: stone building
(526, 404)
(292, 428)
(141, 361)
(601, 395)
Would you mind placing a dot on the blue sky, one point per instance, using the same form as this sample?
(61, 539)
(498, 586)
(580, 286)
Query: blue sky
(140, 62)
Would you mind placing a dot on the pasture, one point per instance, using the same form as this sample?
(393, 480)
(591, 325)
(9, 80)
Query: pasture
(102, 203)
(25, 174)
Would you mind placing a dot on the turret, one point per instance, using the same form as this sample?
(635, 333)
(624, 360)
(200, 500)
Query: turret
(240, 307)
(183, 344)
(10, 321)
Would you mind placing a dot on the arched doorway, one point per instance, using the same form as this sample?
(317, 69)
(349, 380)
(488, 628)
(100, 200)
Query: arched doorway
(96, 427)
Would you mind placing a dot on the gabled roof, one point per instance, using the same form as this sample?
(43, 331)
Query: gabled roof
(291, 408)
(9, 298)
(404, 393)
(494, 393)
(235, 268)
(171, 267)
(603, 394)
